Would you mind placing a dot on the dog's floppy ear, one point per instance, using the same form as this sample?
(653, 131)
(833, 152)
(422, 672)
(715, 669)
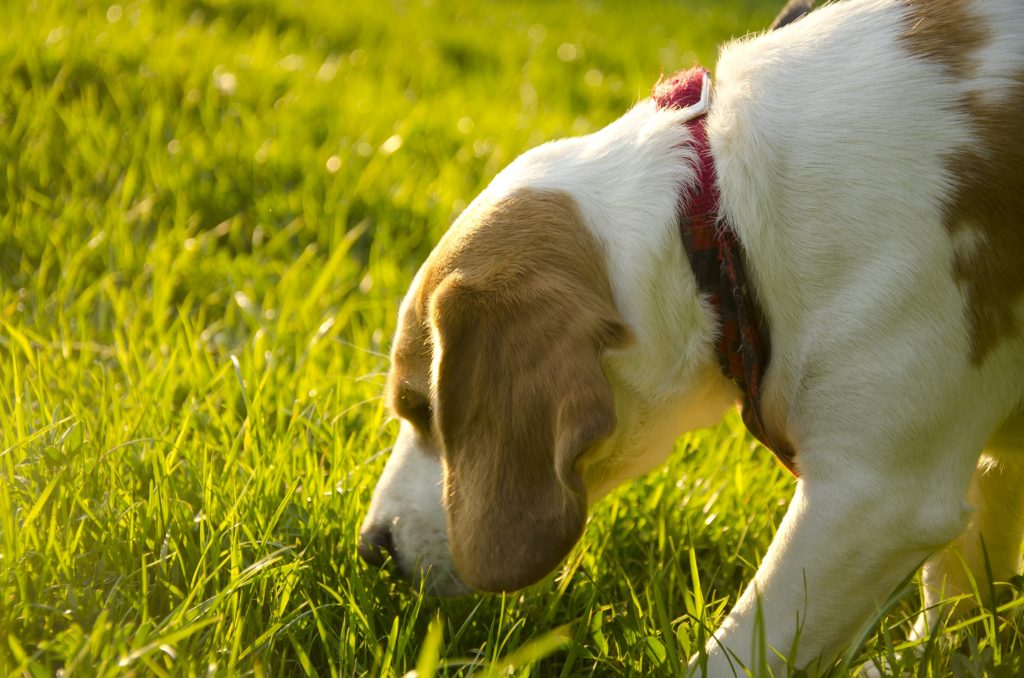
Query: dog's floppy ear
(793, 10)
(520, 396)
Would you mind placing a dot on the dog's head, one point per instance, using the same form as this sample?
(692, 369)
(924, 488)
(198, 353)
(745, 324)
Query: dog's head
(523, 394)
(496, 376)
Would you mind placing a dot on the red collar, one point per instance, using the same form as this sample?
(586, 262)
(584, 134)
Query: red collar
(743, 342)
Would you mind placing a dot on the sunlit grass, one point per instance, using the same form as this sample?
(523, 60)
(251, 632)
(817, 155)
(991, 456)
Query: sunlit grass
(208, 213)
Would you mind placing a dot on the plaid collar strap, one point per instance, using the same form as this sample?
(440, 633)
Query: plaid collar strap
(743, 342)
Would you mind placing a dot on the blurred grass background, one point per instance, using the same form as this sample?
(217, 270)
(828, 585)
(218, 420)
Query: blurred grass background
(209, 211)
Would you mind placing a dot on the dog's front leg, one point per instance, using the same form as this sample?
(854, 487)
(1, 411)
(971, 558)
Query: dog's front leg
(841, 549)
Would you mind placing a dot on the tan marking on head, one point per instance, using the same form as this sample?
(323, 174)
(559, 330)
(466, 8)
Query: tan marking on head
(943, 31)
(985, 213)
(520, 308)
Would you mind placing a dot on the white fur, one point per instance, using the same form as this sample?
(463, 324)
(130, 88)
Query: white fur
(831, 144)
(408, 501)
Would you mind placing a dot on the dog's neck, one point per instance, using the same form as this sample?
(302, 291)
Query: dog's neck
(626, 178)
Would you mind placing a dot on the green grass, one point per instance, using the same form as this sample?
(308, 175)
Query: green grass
(209, 210)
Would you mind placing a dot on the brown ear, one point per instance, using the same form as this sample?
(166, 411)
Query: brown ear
(520, 397)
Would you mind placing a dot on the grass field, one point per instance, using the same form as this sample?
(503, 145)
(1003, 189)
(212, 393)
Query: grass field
(209, 210)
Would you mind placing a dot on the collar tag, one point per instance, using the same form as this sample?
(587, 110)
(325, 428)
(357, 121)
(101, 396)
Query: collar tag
(689, 92)
(702, 105)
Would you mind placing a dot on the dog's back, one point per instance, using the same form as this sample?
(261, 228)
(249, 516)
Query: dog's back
(871, 156)
(871, 160)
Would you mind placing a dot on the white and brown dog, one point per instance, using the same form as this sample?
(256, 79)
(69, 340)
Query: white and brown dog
(867, 161)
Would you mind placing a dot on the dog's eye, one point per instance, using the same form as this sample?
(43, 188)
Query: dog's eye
(416, 411)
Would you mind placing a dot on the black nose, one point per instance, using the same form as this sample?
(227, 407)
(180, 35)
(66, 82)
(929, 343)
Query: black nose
(376, 544)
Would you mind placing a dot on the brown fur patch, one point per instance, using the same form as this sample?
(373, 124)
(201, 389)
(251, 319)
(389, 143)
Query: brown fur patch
(519, 307)
(943, 31)
(985, 214)
(990, 201)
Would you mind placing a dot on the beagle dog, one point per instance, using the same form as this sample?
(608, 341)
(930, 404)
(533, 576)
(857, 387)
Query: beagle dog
(863, 168)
